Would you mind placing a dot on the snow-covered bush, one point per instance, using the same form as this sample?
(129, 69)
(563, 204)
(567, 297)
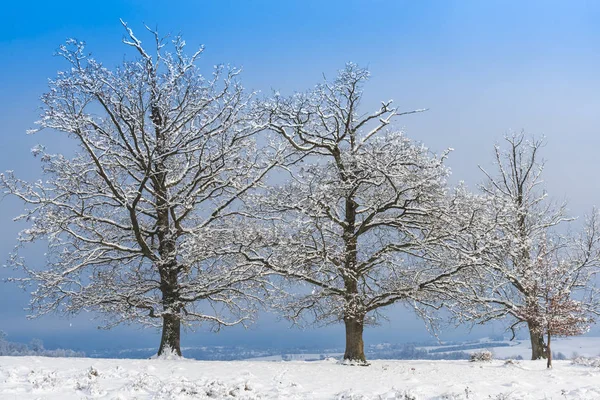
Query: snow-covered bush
(481, 356)
(587, 361)
(394, 394)
(502, 396)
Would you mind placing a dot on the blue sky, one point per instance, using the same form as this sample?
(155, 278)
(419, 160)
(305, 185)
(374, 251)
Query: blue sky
(481, 67)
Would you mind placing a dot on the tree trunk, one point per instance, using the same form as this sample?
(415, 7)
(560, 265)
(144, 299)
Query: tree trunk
(170, 342)
(538, 348)
(354, 316)
(355, 348)
(549, 353)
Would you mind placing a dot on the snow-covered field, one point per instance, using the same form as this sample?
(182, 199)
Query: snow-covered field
(81, 378)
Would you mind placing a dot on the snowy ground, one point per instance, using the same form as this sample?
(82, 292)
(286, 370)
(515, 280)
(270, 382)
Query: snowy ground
(80, 378)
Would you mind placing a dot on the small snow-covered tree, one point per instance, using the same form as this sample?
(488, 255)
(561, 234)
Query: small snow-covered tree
(521, 217)
(134, 219)
(366, 219)
(557, 312)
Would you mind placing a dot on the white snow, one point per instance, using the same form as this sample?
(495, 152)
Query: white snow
(80, 378)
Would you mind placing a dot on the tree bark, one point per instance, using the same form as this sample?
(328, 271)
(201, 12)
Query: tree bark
(549, 353)
(170, 342)
(354, 318)
(355, 348)
(538, 348)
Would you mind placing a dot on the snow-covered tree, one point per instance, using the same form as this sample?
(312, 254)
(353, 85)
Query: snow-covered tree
(522, 218)
(557, 312)
(135, 220)
(366, 219)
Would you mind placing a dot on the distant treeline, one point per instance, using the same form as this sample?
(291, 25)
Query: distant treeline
(412, 352)
(34, 348)
(468, 347)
